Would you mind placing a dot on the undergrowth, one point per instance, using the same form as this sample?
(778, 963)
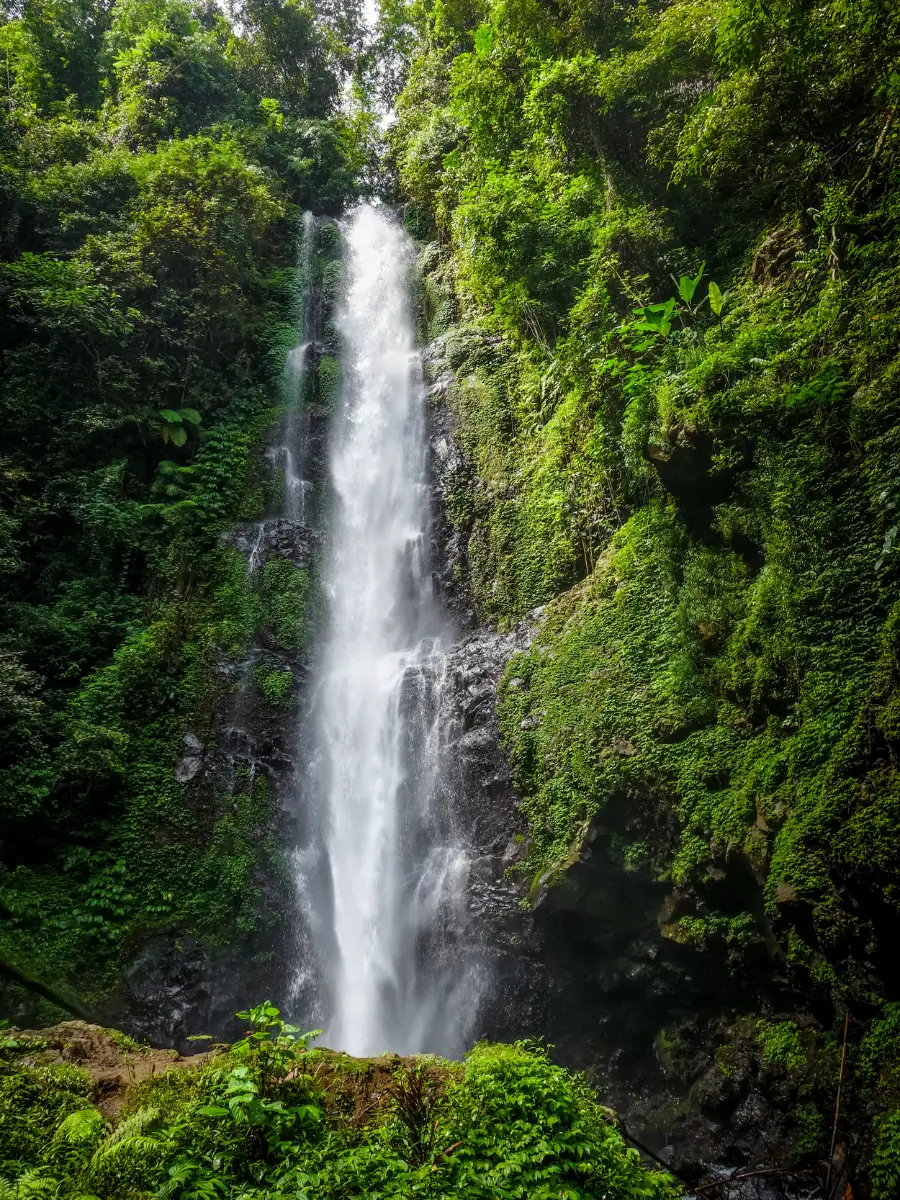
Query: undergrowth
(271, 1117)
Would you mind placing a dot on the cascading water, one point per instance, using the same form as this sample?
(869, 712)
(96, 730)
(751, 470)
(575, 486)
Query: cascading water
(383, 875)
(291, 451)
(283, 533)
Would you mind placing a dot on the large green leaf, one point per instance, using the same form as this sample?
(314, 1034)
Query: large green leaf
(687, 286)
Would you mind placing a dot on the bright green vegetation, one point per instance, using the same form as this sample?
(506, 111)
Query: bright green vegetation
(272, 1118)
(284, 594)
(154, 164)
(277, 686)
(717, 469)
(665, 257)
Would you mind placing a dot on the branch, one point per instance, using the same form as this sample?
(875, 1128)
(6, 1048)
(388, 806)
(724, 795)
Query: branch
(650, 1154)
(837, 1105)
(879, 146)
(41, 989)
(708, 1187)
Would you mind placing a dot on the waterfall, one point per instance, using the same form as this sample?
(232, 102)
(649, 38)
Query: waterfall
(291, 451)
(251, 742)
(389, 903)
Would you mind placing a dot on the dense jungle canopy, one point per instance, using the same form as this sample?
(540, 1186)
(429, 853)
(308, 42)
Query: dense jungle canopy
(660, 251)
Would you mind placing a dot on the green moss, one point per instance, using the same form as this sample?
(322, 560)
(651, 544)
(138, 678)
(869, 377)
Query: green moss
(706, 503)
(276, 686)
(235, 610)
(660, 678)
(711, 931)
(782, 1043)
(284, 590)
(879, 1060)
(332, 279)
(809, 1130)
(885, 1172)
(329, 381)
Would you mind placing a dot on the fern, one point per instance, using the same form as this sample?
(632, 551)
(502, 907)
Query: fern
(140, 1148)
(135, 1126)
(80, 1128)
(131, 1149)
(29, 1185)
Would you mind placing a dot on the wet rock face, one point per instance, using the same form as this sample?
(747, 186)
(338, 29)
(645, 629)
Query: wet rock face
(477, 785)
(618, 991)
(585, 963)
(174, 985)
(476, 766)
(449, 472)
(278, 537)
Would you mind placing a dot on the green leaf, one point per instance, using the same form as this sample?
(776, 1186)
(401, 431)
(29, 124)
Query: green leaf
(716, 299)
(178, 435)
(271, 109)
(212, 1110)
(170, 415)
(687, 286)
(484, 39)
(190, 414)
(656, 318)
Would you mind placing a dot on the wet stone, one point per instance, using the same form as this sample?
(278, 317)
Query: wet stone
(189, 768)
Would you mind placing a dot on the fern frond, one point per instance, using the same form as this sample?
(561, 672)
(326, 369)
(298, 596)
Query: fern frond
(28, 1185)
(83, 1126)
(139, 1123)
(141, 1146)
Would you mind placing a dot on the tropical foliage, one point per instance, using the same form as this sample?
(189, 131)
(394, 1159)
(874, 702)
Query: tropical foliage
(272, 1118)
(155, 157)
(664, 273)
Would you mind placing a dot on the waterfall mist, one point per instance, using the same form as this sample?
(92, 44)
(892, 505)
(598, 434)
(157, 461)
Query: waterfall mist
(382, 873)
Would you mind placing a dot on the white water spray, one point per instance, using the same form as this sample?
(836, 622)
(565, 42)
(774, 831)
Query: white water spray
(394, 883)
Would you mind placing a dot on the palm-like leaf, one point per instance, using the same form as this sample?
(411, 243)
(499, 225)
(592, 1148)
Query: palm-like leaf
(141, 1146)
(131, 1143)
